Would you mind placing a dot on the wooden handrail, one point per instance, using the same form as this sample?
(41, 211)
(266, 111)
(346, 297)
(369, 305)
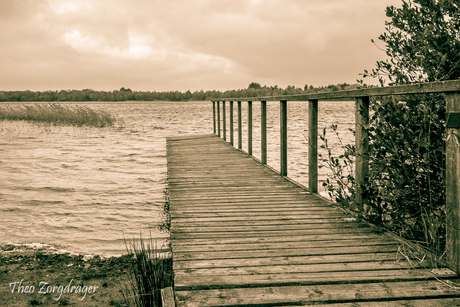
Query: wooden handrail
(416, 88)
(362, 98)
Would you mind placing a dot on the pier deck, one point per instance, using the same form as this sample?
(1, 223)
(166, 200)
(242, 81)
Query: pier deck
(242, 235)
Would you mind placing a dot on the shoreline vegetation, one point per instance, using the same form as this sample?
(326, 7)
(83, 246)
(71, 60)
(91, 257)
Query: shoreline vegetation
(43, 275)
(58, 114)
(125, 94)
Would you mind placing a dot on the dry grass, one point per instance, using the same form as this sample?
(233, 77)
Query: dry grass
(57, 114)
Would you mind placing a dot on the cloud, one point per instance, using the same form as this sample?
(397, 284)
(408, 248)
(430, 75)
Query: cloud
(182, 44)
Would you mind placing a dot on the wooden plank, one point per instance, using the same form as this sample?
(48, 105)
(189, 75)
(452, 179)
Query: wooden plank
(251, 277)
(201, 255)
(167, 297)
(188, 236)
(253, 209)
(280, 245)
(238, 229)
(286, 239)
(442, 302)
(279, 260)
(300, 295)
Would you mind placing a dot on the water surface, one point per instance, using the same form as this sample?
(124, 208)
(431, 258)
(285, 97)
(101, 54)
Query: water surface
(86, 188)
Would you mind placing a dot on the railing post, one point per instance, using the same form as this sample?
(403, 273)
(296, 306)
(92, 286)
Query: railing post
(453, 183)
(250, 128)
(240, 133)
(283, 137)
(362, 151)
(214, 116)
(218, 118)
(313, 145)
(224, 127)
(263, 129)
(231, 123)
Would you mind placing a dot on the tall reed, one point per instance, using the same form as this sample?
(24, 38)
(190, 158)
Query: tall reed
(57, 114)
(150, 272)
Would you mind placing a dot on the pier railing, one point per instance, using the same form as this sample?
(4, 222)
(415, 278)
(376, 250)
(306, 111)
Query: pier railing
(362, 97)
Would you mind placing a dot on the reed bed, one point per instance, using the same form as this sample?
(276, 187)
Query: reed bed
(57, 114)
(150, 272)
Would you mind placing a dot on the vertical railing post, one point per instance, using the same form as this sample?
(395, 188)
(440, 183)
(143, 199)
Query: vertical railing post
(214, 116)
(362, 151)
(263, 129)
(231, 123)
(283, 137)
(250, 128)
(453, 182)
(218, 118)
(240, 132)
(224, 127)
(313, 145)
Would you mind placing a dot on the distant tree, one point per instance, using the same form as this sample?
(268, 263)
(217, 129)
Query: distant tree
(3, 97)
(254, 85)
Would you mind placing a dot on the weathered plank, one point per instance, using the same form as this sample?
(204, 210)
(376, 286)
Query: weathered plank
(241, 234)
(286, 261)
(300, 295)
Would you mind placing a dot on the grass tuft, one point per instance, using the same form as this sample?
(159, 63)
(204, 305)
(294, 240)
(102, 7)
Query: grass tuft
(150, 272)
(57, 114)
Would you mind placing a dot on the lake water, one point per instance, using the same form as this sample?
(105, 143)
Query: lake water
(86, 189)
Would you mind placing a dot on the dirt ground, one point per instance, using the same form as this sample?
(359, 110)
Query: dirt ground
(31, 276)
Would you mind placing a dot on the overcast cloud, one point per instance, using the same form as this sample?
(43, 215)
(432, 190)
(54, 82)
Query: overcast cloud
(186, 44)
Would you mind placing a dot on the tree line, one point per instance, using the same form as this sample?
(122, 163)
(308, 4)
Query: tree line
(126, 94)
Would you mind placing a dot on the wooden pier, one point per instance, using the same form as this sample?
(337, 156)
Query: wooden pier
(243, 235)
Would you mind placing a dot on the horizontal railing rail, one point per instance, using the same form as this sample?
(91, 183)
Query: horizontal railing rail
(362, 98)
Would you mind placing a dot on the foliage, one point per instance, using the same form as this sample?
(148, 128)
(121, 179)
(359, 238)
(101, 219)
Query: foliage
(150, 272)
(340, 184)
(422, 43)
(254, 85)
(407, 165)
(406, 180)
(126, 94)
(406, 187)
(57, 114)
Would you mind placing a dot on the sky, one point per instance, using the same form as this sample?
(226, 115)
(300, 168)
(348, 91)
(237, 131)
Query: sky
(166, 45)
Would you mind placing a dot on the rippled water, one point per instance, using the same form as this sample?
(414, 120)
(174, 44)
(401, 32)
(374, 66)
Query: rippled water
(86, 188)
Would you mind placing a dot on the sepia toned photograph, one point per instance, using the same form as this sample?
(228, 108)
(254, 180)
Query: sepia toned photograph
(203, 153)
